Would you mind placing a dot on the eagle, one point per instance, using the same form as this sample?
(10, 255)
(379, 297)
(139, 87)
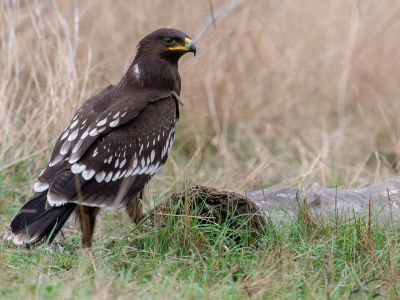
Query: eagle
(113, 145)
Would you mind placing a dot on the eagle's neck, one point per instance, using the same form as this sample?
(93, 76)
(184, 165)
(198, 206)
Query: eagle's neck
(152, 72)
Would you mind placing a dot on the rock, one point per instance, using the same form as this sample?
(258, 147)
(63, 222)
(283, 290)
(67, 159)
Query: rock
(381, 200)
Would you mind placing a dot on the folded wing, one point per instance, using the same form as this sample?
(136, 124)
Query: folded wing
(111, 149)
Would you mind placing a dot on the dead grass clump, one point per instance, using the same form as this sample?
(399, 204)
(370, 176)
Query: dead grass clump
(210, 206)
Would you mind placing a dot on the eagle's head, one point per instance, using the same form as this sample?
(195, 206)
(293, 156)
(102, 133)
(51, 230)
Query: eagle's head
(155, 65)
(167, 43)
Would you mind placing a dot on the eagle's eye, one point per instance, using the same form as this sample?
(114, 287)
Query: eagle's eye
(168, 41)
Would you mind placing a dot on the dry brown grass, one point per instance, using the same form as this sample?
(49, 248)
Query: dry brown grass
(281, 91)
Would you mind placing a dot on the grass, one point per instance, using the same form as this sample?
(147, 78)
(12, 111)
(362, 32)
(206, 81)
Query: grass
(279, 93)
(294, 257)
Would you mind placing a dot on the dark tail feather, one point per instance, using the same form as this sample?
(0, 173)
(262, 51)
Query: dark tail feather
(35, 223)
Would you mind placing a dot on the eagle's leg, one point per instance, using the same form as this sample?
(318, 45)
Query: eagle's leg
(87, 219)
(134, 208)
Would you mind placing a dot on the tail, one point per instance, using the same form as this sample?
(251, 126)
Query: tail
(35, 223)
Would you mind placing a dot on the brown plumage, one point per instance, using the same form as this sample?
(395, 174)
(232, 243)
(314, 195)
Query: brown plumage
(111, 148)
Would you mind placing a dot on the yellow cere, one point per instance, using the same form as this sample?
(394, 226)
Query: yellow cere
(182, 47)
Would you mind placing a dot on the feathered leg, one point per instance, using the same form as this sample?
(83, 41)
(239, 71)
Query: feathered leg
(134, 208)
(87, 219)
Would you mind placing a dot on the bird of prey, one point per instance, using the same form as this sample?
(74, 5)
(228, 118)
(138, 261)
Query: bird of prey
(112, 147)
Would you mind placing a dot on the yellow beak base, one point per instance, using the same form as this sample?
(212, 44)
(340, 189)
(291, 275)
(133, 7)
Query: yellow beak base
(189, 46)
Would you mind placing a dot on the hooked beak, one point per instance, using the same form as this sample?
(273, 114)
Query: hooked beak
(190, 46)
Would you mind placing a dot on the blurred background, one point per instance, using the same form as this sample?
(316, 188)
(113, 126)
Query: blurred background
(281, 92)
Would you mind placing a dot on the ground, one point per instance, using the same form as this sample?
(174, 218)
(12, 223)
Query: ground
(294, 257)
(279, 93)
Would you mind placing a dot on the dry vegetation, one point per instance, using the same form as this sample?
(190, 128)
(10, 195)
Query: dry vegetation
(281, 92)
